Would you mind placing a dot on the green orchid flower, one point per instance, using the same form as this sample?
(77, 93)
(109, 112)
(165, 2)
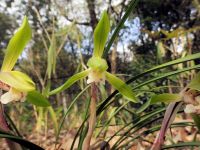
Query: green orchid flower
(15, 83)
(97, 66)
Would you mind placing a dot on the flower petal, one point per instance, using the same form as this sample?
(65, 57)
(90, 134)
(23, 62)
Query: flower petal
(70, 81)
(16, 45)
(17, 80)
(121, 86)
(12, 95)
(190, 109)
(101, 34)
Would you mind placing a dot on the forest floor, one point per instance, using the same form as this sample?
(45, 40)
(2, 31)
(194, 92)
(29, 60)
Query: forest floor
(174, 135)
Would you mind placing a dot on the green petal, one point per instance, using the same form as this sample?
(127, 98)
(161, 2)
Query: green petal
(70, 81)
(101, 34)
(121, 86)
(17, 80)
(36, 98)
(166, 98)
(16, 45)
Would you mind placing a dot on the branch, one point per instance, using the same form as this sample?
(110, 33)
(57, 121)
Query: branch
(76, 22)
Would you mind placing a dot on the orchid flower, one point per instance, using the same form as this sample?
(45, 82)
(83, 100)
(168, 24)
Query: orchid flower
(15, 83)
(190, 96)
(97, 66)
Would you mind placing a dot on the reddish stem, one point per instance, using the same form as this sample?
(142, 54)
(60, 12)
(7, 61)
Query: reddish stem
(4, 126)
(92, 117)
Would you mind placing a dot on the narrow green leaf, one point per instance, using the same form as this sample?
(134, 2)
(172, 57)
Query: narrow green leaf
(196, 119)
(51, 64)
(130, 8)
(101, 34)
(168, 74)
(195, 82)
(70, 81)
(68, 110)
(166, 98)
(174, 62)
(143, 107)
(54, 118)
(37, 99)
(121, 86)
(17, 80)
(19, 140)
(185, 144)
(16, 45)
(12, 125)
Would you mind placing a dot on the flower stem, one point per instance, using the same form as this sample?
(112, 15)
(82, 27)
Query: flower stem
(92, 117)
(4, 126)
(3, 123)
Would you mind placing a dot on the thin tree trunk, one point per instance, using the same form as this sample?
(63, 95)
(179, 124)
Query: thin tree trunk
(91, 8)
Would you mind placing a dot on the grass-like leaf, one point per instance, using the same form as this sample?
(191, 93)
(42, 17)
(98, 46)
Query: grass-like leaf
(166, 98)
(68, 110)
(19, 140)
(196, 119)
(185, 144)
(54, 118)
(103, 105)
(130, 9)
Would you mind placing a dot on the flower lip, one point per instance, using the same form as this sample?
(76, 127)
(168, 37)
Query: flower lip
(193, 107)
(12, 95)
(96, 76)
(4, 86)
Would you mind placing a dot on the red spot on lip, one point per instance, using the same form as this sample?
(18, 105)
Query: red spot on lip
(4, 86)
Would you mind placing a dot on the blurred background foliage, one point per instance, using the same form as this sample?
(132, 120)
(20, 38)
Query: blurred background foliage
(157, 31)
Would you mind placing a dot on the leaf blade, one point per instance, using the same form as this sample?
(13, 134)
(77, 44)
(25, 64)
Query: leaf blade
(20, 141)
(165, 97)
(35, 98)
